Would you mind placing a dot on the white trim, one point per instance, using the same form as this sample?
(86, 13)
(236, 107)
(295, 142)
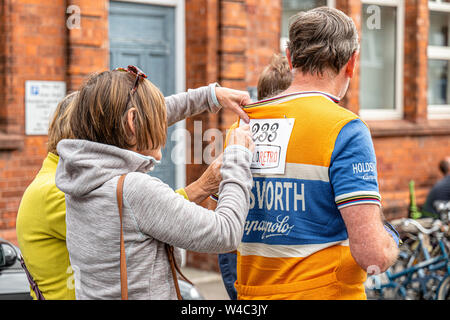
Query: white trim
(180, 65)
(331, 3)
(436, 112)
(438, 53)
(284, 40)
(295, 95)
(438, 6)
(397, 113)
(356, 193)
(165, 3)
(388, 3)
(284, 251)
(380, 114)
(301, 171)
(180, 76)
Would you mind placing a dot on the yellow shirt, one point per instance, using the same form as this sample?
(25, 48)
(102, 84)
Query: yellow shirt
(41, 233)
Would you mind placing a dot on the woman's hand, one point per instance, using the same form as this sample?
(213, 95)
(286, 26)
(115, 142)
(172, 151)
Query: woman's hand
(207, 184)
(242, 136)
(210, 180)
(233, 100)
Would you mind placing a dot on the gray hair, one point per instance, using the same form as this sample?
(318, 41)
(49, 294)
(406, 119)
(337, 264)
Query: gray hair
(320, 39)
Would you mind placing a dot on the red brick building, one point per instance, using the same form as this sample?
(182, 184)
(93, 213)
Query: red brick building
(401, 88)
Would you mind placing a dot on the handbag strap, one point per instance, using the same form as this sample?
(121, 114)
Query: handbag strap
(123, 260)
(123, 263)
(33, 284)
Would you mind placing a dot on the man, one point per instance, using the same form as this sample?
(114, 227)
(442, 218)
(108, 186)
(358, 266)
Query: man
(274, 79)
(440, 191)
(315, 229)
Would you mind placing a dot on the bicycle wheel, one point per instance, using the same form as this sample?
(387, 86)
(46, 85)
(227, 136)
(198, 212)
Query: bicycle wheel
(444, 289)
(410, 291)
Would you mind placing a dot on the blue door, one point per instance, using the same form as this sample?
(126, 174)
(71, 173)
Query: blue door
(144, 35)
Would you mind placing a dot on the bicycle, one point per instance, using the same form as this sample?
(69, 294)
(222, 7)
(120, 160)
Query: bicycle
(419, 272)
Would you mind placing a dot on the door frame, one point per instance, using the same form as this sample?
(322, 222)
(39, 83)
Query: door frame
(180, 68)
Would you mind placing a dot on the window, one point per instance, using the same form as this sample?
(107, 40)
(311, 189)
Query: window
(381, 59)
(438, 60)
(290, 8)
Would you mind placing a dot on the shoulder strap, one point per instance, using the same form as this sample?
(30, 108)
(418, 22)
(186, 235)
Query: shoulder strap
(123, 260)
(33, 284)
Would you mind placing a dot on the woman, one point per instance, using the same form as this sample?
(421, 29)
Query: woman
(41, 219)
(119, 123)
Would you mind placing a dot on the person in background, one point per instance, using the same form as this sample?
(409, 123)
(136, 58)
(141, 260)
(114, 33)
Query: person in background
(440, 191)
(41, 218)
(274, 79)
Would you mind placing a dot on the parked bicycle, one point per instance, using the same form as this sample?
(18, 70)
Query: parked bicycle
(423, 268)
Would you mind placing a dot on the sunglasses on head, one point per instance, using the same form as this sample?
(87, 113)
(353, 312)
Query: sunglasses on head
(137, 73)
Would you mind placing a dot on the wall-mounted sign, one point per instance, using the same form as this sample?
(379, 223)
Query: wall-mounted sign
(41, 99)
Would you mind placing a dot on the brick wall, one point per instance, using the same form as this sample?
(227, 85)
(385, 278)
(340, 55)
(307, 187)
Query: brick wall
(88, 46)
(201, 66)
(353, 9)
(33, 48)
(404, 158)
(37, 45)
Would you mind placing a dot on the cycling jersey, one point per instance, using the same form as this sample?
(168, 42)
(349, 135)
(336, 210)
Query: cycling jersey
(295, 243)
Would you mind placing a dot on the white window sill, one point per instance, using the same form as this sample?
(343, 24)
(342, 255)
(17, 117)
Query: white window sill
(380, 114)
(437, 112)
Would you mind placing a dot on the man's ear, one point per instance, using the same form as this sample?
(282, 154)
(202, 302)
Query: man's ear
(351, 65)
(289, 58)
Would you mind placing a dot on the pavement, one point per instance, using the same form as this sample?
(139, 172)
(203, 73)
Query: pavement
(208, 283)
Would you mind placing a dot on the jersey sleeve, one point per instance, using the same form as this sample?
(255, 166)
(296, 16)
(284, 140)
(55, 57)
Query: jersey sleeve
(353, 167)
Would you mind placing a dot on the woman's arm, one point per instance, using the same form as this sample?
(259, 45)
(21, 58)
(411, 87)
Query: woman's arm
(168, 217)
(211, 98)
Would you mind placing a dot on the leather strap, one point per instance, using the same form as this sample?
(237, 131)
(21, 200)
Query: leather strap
(33, 284)
(123, 263)
(175, 265)
(123, 260)
(169, 250)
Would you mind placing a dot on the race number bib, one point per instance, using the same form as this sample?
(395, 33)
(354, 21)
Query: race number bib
(271, 137)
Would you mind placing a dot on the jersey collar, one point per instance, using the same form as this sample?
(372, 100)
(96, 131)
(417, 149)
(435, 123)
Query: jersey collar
(295, 95)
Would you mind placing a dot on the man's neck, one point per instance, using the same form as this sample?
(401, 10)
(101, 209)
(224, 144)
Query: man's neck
(307, 82)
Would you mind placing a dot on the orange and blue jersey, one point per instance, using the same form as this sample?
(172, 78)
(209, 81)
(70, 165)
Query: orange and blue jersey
(295, 243)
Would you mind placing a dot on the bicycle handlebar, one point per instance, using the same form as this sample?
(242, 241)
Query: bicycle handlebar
(436, 226)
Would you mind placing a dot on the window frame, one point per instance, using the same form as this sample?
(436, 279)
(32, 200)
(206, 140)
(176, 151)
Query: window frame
(438, 111)
(284, 40)
(397, 112)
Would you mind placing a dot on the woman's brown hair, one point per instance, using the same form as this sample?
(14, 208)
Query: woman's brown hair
(59, 126)
(100, 113)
